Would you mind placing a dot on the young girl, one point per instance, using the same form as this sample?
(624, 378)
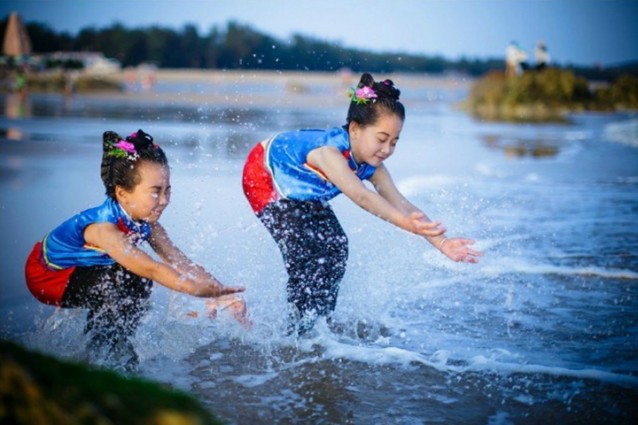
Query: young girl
(289, 179)
(93, 261)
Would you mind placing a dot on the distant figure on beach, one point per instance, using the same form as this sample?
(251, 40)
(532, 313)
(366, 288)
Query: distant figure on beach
(515, 60)
(541, 56)
(130, 75)
(289, 178)
(147, 76)
(93, 259)
(69, 79)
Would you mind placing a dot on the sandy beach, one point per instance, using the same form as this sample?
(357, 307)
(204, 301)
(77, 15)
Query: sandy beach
(303, 89)
(309, 78)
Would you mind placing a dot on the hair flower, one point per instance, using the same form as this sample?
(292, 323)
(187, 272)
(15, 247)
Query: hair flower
(362, 95)
(123, 149)
(125, 146)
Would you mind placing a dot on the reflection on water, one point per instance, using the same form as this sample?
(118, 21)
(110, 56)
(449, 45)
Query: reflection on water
(17, 106)
(518, 148)
(194, 129)
(11, 133)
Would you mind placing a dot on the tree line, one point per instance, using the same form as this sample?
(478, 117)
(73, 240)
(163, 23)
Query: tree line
(239, 46)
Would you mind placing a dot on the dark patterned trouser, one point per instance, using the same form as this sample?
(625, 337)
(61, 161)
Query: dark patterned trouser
(116, 299)
(314, 249)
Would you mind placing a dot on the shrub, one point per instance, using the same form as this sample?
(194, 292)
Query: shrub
(544, 95)
(621, 94)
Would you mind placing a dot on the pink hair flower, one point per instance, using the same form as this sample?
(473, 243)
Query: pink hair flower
(365, 93)
(125, 146)
(362, 95)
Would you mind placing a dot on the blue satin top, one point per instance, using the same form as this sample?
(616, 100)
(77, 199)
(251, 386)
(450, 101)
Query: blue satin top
(294, 178)
(65, 246)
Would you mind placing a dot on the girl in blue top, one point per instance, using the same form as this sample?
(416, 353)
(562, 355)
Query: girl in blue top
(93, 261)
(289, 179)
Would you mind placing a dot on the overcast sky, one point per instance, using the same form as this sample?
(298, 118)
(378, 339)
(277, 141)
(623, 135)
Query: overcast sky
(583, 32)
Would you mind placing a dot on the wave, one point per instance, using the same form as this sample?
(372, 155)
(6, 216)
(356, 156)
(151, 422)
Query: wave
(484, 364)
(165, 345)
(441, 361)
(516, 265)
(624, 132)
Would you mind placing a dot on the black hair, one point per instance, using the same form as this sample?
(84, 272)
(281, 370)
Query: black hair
(387, 101)
(120, 161)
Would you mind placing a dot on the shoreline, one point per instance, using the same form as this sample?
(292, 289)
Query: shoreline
(248, 88)
(268, 76)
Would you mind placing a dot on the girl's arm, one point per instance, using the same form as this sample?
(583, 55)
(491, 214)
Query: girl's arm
(107, 237)
(457, 249)
(388, 203)
(164, 247)
(332, 163)
(386, 188)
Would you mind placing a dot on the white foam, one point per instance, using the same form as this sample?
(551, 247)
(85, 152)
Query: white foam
(577, 135)
(519, 265)
(500, 418)
(624, 132)
(377, 355)
(484, 364)
(251, 381)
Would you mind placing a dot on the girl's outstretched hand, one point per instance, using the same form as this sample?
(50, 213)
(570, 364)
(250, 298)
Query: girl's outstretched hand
(458, 249)
(423, 227)
(235, 305)
(217, 290)
(225, 290)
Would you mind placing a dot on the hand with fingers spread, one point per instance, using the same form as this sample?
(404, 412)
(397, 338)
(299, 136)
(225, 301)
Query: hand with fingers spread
(235, 305)
(459, 250)
(420, 226)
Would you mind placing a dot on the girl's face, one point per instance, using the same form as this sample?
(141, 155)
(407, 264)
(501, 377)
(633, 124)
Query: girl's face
(148, 199)
(374, 143)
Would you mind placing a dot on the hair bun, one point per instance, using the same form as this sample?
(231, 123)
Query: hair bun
(366, 80)
(109, 138)
(386, 89)
(383, 89)
(141, 140)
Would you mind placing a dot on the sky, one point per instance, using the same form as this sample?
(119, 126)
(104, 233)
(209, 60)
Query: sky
(577, 32)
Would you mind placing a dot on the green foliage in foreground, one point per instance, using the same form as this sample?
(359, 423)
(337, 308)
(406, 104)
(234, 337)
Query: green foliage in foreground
(39, 389)
(546, 95)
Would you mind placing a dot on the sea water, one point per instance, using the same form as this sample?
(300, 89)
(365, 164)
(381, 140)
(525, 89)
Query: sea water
(544, 328)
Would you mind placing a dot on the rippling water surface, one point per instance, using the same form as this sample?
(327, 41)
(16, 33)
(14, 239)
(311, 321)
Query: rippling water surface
(544, 329)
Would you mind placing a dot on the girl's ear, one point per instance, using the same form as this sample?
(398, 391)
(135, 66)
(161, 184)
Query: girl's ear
(353, 129)
(120, 194)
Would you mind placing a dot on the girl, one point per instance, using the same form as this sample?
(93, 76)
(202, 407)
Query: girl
(289, 178)
(93, 261)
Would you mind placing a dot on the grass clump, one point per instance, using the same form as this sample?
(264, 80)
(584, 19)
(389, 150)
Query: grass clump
(39, 389)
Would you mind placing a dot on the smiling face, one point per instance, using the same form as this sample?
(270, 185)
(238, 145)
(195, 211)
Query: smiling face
(150, 196)
(375, 143)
